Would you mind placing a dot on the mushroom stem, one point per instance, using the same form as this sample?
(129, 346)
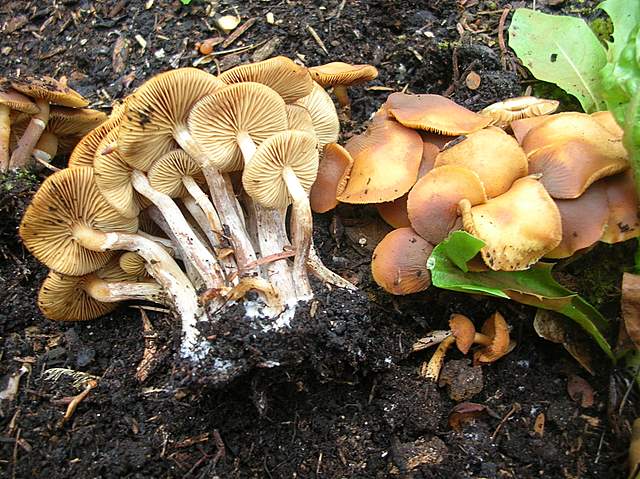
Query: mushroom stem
(116, 291)
(196, 252)
(5, 132)
(47, 147)
(431, 370)
(301, 225)
(163, 268)
(207, 207)
(342, 96)
(482, 339)
(22, 153)
(246, 144)
(324, 274)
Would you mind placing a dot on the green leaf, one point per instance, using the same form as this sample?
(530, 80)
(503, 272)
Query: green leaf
(185, 2)
(625, 16)
(561, 50)
(535, 286)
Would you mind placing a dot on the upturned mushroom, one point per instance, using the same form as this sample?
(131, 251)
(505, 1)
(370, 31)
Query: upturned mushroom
(323, 115)
(333, 175)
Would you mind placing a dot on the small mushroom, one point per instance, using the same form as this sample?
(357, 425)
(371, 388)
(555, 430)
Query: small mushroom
(11, 100)
(333, 175)
(299, 118)
(341, 75)
(495, 338)
(399, 262)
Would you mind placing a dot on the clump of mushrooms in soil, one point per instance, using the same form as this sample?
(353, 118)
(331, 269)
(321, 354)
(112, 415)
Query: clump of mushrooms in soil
(180, 196)
(515, 175)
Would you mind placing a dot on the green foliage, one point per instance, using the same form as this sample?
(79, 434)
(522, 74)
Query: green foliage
(185, 2)
(535, 286)
(561, 50)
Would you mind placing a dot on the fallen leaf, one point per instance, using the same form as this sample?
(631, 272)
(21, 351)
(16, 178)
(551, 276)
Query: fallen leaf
(580, 391)
(472, 81)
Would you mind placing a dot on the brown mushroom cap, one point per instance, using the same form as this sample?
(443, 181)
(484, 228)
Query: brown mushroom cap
(463, 329)
(492, 154)
(245, 108)
(518, 227)
(433, 201)
(583, 221)
(432, 144)
(522, 127)
(339, 73)
(434, 113)
(497, 329)
(85, 150)
(67, 200)
(333, 174)
(167, 172)
(386, 159)
(323, 114)
(15, 100)
(56, 92)
(395, 212)
(570, 167)
(519, 107)
(158, 111)
(399, 262)
(289, 80)
(607, 120)
(71, 124)
(623, 222)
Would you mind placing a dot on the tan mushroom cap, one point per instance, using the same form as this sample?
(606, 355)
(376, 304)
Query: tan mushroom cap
(463, 329)
(395, 212)
(113, 179)
(432, 204)
(607, 120)
(245, 108)
(158, 111)
(299, 118)
(570, 167)
(71, 124)
(623, 222)
(432, 144)
(15, 100)
(399, 262)
(519, 107)
(262, 178)
(518, 227)
(492, 154)
(333, 174)
(85, 150)
(497, 329)
(70, 199)
(386, 159)
(167, 172)
(339, 73)
(521, 128)
(56, 92)
(434, 113)
(323, 114)
(290, 80)
(133, 264)
(583, 221)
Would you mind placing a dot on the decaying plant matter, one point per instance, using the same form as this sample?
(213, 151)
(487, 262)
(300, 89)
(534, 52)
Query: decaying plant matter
(214, 163)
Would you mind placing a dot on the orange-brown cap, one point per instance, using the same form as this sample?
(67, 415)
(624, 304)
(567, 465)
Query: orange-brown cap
(56, 92)
(399, 262)
(518, 227)
(395, 212)
(520, 128)
(432, 144)
(607, 120)
(15, 100)
(497, 329)
(71, 124)
(492, 154)
(463, 329)
(289, 80)
(622, 198)
(339, 73)
(386, 159)
(506, 111)
(333, 174)
(434, 113)
(433, 201)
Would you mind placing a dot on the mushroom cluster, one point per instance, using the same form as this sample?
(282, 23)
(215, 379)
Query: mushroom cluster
(39, 118)
(181, 198)
(514, 175)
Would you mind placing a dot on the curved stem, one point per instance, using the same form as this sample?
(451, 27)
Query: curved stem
(22, 153)
(5, 133)
(342, 96)
(116, 291)
(431, 370)
(324, 274)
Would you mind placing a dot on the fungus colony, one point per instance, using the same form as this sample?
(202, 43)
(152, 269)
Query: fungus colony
(529, 183)
(192, 170)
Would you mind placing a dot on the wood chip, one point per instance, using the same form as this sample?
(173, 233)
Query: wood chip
(538, 425)
(141, 41)
(119, 56)
(317, 38)
(238, 32)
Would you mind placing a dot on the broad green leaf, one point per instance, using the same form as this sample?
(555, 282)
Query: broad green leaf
(561, 50)
(535, 286)
(625, 16)
(185, 2)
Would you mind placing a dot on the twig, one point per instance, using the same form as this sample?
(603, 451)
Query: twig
(503, 46)
(317, 38)
(238, 32)
(73, 405)
(628, 391)
(514, 408)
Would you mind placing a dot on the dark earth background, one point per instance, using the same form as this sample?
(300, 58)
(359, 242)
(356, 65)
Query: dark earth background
(349, 402)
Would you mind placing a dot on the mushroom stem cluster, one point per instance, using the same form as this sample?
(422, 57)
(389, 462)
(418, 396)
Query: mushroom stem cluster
(191, 177)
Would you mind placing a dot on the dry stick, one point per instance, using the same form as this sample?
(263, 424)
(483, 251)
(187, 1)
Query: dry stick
(5, 134)
(26, 144)
(116, 291)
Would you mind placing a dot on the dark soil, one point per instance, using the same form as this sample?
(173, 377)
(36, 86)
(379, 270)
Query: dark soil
(338, 395)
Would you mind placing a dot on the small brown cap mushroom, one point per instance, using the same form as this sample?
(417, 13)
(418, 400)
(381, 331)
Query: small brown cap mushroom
(399, 262)
(432, 205)
(323, 114)
(395, 212)
(623, 222)
(521, 128)
(463, 329)
(71, 124)
(333, 174)
(289, 80)
(167, 172)
(434, 113)
(518, 227)
(497, 329)
(15, 100)
(492, 154)
(56, 92)
(339, 73)
(67, 200)
(519, 107)
(386, 159)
